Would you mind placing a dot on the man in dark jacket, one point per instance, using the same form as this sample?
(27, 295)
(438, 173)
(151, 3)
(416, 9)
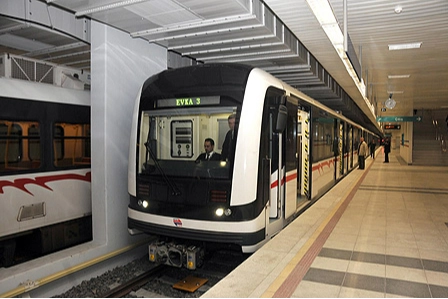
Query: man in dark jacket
(372, 146)
(209, 155)
(228, 147)
(386, 150)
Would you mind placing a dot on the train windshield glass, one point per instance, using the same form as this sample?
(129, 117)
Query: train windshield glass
(191, 142)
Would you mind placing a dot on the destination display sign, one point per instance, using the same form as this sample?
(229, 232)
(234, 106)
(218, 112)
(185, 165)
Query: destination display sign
(398, 118)
(188, 101)
(392, 127)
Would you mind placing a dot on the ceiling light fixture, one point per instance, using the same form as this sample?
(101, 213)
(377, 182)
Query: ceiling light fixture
(324, 14)
(394, 92)
(398, 76)
(405, 46)
(398, 9)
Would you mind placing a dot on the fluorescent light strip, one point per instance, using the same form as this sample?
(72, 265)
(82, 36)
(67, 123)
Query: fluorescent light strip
(398, 76)
(324, 14)
(393, 92)
(405, 46)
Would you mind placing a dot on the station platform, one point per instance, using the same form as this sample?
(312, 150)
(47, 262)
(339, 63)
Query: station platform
(380, 232)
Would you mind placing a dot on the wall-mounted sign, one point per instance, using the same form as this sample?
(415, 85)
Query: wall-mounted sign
(392, 127)
(398, 118)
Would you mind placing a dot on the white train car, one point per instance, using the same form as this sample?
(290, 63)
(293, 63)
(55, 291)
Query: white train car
(45, 198)
(287, 151)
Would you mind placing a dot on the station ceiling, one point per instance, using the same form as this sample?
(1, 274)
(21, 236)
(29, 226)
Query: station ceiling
(283, 37)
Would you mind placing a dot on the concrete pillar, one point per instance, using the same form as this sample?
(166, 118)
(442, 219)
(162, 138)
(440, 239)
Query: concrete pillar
(120, 64)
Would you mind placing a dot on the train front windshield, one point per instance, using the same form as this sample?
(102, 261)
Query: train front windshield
(172, 140)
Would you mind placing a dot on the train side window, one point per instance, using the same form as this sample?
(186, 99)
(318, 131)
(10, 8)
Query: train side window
(10, 145)
(323, 136)
(58, 143)
(71, 145)
(34, 154)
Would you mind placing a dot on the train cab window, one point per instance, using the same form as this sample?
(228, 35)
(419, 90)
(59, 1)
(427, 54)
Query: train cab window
(71, 145)
(16, 146)
(172, 140)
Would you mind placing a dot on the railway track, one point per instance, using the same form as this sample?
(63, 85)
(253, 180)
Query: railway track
(134, 284)
(166, 281)
(141, 278)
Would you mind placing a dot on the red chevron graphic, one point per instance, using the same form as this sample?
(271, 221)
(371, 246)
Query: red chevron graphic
(43, 180)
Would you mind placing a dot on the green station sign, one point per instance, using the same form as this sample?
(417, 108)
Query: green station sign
(383, 119)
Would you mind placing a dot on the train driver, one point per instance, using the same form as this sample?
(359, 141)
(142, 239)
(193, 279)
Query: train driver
(210, 154)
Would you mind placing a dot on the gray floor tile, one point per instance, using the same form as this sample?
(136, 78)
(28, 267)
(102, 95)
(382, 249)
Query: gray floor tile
(407, 288)
(435, 266)
(365, 282)
(369, 257)
(438, 291)
(404, 262)
(336, 253)
(324, 276)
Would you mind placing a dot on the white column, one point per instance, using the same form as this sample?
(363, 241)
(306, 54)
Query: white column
(120, 65)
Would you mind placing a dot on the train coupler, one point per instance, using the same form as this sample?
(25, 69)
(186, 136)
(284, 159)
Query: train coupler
(176, 255)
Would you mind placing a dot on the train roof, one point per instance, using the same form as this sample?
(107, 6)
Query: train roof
(216, 77)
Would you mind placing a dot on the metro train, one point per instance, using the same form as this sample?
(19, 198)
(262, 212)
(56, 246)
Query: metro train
(287, 151)
(45, 198)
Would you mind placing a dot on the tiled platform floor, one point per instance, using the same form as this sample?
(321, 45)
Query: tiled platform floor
(381, 232)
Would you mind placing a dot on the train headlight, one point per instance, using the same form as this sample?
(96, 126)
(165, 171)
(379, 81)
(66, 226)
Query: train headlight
(219, 212)
(143, 203)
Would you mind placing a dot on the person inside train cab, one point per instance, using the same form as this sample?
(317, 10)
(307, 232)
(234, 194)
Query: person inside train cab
(228, 147)
(362, 153)
(210, 154)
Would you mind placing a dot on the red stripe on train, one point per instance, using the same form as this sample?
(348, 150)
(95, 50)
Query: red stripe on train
(43, 180)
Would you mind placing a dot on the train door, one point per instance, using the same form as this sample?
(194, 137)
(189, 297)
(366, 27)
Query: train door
(272, 157)
(337, 149)
(275, 148)
(291, 158)
(349, 143)
(303, 155)
(356, 135)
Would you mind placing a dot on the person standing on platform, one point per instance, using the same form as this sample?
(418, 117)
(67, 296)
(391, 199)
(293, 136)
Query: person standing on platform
(372, 146)
(386, 150)
(362, 153)
(228, 147)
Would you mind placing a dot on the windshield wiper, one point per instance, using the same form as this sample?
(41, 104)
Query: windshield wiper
(171, 184)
